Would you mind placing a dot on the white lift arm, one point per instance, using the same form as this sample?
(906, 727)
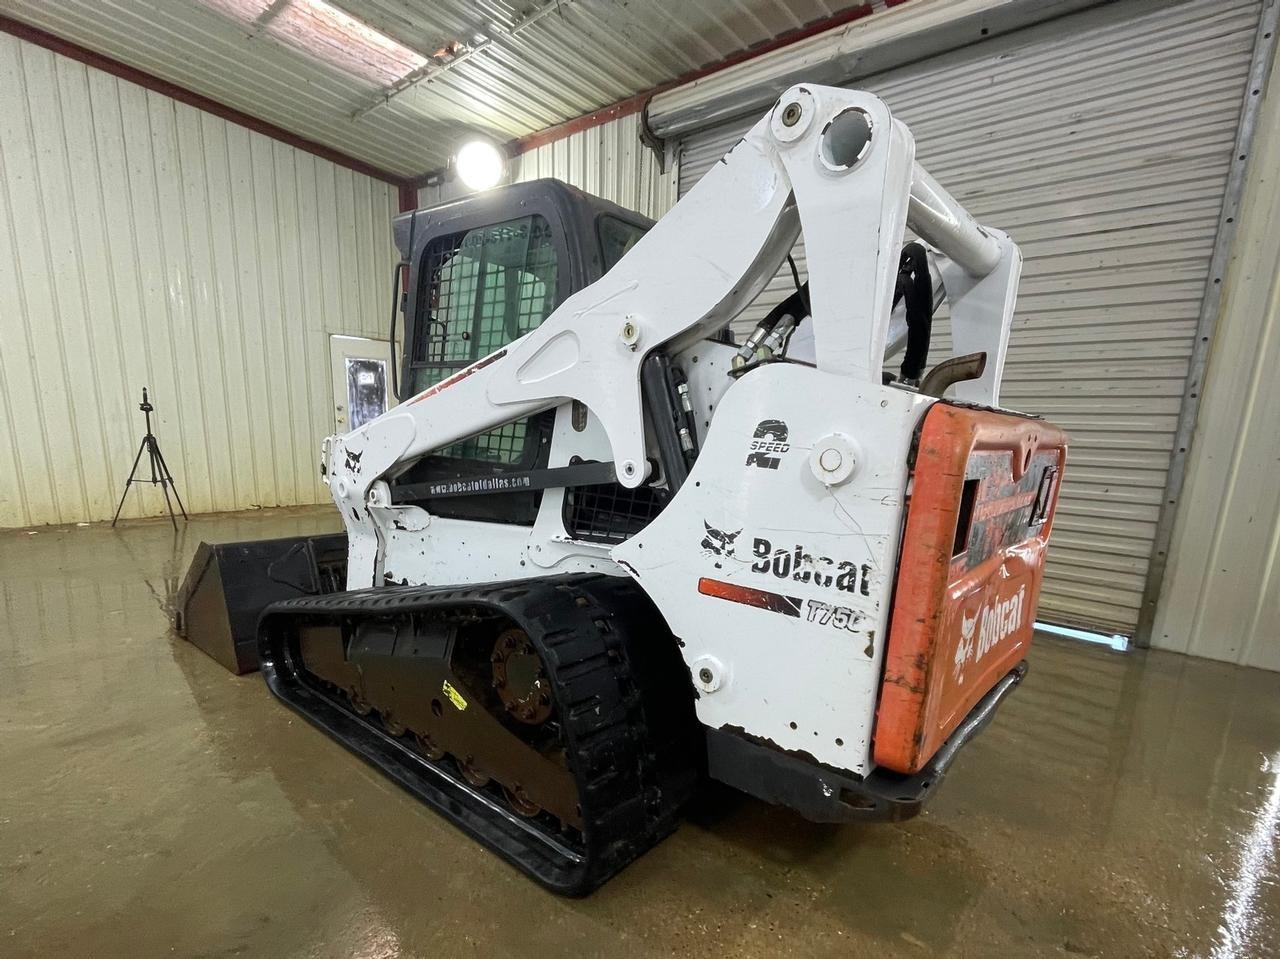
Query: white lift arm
(831, 162)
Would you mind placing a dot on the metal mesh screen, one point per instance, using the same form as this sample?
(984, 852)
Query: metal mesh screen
(610, 513)
(484, 288)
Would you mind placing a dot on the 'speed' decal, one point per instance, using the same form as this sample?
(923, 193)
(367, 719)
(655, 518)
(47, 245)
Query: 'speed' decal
(768, 443)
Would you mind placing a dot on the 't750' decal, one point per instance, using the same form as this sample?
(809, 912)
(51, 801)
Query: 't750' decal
(825, 614)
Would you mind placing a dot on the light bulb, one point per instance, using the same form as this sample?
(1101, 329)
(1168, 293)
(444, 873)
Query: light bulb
(479, 164)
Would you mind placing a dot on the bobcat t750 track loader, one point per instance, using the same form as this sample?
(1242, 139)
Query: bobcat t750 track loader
(600, 550)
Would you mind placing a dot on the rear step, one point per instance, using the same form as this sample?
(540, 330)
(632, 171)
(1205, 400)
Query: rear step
(623, 720)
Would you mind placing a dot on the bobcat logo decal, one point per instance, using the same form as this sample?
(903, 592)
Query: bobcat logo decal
(717, 541)
(990, 624)
(964, 649)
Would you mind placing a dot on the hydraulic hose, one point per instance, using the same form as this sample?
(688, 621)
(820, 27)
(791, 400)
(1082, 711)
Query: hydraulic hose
(915, 288)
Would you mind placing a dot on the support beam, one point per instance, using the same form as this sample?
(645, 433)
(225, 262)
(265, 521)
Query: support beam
(431, 71)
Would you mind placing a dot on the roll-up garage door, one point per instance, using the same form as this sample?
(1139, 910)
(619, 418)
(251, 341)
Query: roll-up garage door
(1102, 143)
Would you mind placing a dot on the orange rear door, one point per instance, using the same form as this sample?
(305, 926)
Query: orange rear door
(984, 487)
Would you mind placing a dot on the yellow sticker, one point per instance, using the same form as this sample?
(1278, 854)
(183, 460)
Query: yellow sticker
(455, 697)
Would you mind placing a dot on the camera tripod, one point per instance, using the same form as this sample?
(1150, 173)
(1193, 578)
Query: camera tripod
(159, 468)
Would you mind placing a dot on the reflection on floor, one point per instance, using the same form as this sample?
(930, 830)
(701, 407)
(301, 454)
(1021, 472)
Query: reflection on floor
(152, 804)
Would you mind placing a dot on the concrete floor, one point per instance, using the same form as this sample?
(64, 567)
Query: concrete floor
(153, 805)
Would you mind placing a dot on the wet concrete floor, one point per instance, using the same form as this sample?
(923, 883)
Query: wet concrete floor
(152, 804)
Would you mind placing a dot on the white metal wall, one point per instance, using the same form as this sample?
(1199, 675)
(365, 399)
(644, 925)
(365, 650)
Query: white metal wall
(1221, 596)
(1102, 143)
(143, 242)
(608, 160)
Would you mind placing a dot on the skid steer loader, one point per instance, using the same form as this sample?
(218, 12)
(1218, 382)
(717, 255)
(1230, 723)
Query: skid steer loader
(601, 551)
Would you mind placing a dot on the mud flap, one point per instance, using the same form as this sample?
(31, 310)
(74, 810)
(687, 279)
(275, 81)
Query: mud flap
(230, 584)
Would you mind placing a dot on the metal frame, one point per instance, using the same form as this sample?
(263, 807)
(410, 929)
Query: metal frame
(1210, 308)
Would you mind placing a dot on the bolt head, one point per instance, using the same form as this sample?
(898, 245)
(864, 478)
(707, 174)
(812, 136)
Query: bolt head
(791, 114)
(830, 460)
(705, 675)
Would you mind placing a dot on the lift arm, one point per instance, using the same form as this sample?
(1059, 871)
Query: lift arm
(831, 162)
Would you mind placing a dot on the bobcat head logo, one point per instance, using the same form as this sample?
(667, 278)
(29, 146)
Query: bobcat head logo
(717, 541)
(964, 649)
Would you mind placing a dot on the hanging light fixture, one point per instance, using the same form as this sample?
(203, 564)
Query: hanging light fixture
(480, 164)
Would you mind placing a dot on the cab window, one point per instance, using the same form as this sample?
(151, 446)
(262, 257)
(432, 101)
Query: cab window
(617, 236)
(480, 290)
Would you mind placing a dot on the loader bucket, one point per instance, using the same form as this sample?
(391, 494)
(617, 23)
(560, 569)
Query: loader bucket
(229, 585)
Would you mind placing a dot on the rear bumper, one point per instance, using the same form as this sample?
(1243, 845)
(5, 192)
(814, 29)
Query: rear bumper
(822, 794)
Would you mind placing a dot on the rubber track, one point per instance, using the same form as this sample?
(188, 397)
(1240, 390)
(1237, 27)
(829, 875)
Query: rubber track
(622, 694)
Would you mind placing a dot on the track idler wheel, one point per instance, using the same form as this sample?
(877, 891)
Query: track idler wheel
(519, 677)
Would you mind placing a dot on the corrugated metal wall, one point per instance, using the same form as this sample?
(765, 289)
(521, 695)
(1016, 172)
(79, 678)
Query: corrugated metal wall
(1102, 143)
(608, 160)
(143, 242)
(1221, 595)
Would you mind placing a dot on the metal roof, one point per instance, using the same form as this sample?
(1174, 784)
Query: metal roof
(397, 83)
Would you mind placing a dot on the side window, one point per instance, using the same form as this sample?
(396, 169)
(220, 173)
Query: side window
(479, 291)
(616, 238)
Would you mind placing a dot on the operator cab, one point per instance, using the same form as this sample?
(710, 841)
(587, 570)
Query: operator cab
(484, 271)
